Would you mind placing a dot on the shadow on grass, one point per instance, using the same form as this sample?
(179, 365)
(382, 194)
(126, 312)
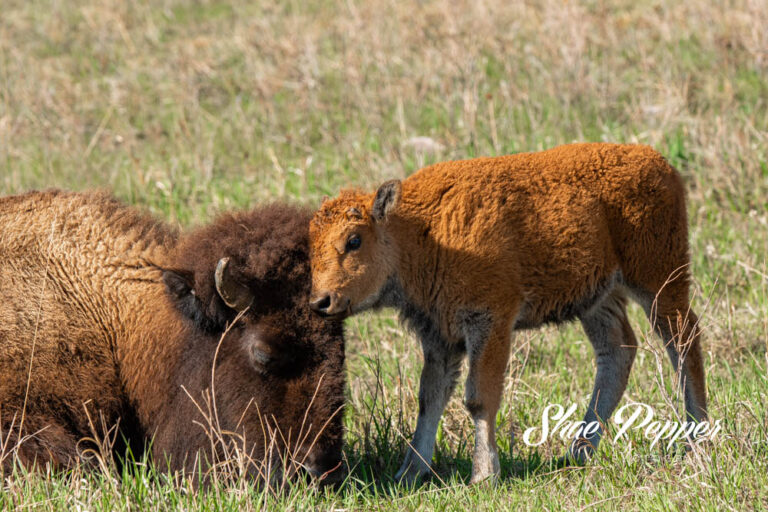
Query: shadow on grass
(370, 477)
(372, 472)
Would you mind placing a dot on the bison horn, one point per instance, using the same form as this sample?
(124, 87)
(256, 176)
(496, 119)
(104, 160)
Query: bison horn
(232, 292)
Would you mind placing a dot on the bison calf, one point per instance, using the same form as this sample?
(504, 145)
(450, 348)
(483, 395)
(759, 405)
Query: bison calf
(106, 313)
(472, 250)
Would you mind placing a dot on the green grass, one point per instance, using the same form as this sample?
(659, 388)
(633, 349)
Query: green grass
(191, 108)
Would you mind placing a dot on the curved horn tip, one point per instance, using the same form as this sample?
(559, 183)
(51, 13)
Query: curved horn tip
(234, 294)
(221, 267)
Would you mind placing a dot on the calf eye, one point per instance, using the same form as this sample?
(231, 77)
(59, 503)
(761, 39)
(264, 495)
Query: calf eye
(353, 243)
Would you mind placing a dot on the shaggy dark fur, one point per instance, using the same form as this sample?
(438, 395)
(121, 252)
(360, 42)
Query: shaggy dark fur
(125, 318)
(268, 251)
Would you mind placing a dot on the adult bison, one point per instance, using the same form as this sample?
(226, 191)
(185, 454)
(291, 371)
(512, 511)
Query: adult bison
(470, 251)
(201, 340)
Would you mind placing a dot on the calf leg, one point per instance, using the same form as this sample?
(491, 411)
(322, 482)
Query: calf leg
(679, 330)
(670, 316)
(488, 342)
(438, 378)
(615, 347)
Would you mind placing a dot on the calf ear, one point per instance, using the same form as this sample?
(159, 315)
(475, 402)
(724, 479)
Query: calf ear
(386, 199)
(180, 287)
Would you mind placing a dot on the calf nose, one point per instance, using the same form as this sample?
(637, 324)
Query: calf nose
(321, 304)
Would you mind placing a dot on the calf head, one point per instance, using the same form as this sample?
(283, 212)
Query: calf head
(242, 283)
(352, 254)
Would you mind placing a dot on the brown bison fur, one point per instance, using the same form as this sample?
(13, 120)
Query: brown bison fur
(472, 250)
(107, 313)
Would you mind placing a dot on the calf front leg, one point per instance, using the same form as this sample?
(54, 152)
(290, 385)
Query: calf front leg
(438, 378)
(487, 341)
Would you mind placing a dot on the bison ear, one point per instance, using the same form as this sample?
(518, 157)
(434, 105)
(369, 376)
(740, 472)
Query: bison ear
(179, 283)
(180, 286)
(386, 199)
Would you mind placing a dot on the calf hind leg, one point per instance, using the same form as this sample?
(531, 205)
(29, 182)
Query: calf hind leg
(615, 347)
(678, 328)
(671, 317)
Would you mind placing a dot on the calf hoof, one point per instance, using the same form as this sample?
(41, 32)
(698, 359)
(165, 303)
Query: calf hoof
(490, 477)
(578, 455)
(485, 468)
(571, 461)
(411, 471)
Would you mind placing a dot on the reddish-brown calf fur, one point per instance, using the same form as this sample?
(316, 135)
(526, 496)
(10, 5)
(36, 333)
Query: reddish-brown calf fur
(472, 250)
(106, 310)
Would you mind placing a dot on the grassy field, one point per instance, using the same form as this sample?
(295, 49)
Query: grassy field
(188, 108)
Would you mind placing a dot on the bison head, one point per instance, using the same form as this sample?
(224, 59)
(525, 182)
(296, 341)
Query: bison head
(242, 283)
(352, 256)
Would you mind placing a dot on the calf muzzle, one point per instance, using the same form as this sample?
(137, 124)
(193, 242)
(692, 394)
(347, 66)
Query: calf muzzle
(329, 305)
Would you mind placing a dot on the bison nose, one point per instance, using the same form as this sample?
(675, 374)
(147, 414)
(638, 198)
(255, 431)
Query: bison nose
(326, 474)
(321, 304)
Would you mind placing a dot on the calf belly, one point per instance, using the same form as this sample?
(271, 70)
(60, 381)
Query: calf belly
(537, 311)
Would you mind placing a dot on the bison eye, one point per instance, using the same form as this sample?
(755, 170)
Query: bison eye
(353, 243)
